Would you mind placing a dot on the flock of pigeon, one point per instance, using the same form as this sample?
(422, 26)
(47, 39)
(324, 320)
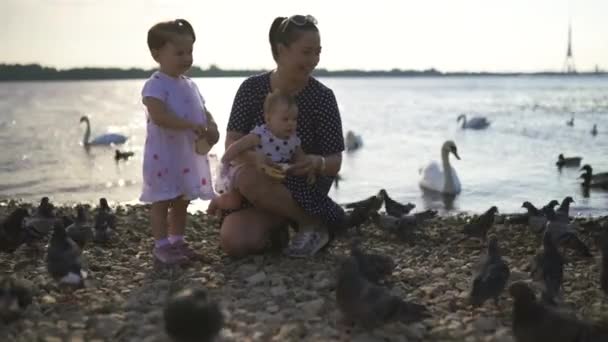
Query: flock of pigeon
(63, 254)
(534, 319)
(361, 294)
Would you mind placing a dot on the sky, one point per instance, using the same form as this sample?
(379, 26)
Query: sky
(449, 35)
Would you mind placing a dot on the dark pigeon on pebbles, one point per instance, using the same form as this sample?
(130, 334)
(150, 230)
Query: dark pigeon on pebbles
(563, 233)
(38, 226)
(548, 269)
(15, 296)
(63, 258)
(563, 212)
(12, 234)
(105, 222)
(549, 208)
(373, 267)
(191, 317)
(393, 207)
(372, 203)
(535, 322)
(537, 221)
(80, 231)
(368, 305)
(490, 277)
(479, 227)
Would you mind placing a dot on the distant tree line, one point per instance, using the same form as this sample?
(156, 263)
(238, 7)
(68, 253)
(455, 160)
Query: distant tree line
(31, 72)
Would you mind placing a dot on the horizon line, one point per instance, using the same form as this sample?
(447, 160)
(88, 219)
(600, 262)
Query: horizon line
(216, 68)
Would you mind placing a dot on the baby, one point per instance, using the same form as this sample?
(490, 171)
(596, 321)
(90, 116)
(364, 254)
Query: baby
(275, 141)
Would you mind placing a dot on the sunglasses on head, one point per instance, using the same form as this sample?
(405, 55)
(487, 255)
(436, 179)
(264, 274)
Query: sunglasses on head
(299, 20)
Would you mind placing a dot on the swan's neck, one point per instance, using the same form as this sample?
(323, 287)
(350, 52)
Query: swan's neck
(448, 181)
(464, 123)
(87, 133)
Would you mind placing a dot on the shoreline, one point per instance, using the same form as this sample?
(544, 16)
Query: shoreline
(273, 298)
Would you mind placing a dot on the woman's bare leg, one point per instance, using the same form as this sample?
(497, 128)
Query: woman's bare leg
(270, 196)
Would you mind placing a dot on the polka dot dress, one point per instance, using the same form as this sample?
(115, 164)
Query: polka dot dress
(319, 129)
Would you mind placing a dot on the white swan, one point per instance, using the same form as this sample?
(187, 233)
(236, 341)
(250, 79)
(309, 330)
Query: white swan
(476, 122)
(104, 139)
(441, 178)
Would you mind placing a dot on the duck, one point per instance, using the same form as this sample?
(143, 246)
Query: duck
(567, 161)
(588, 183)
(594, 130)
(441, 178)
(570, 122)
(352, 141)
(104, 139)
(118, 155)
(594, 177)
(476, 122)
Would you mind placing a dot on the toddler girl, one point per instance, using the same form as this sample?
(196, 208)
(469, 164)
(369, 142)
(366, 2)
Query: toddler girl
(173, 172)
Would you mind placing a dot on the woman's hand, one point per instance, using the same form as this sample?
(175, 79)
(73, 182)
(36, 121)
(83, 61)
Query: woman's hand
(306, 165)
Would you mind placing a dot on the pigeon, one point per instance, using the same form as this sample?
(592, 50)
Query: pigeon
(563, 233)
(372, 203)
(105, 222)
(80, 231)
(548, 269)
(563, 212)
(569, 161)
(392, 225)
(549, 208)
(369, 305)
(393, 207)
(373, 267)
(537, 221)
(190, 316)
(63, 258)
(38, 226)
(12, 234)
(535, 322)
(490, 277)
(478, 228)
(403, 226)
(15, 296)
(604, 269)
(119, 155)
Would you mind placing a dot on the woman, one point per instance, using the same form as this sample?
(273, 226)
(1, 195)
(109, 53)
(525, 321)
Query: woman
(296, 46)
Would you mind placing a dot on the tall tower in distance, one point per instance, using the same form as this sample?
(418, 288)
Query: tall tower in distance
(569, 67)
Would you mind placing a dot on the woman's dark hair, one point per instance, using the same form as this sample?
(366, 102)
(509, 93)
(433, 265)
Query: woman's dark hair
(161, 33)
(285, 31)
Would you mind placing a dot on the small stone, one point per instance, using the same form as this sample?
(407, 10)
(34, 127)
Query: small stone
(485, 324)
(278, 291)
(312, 308)
(48, 299)
(256, 278)
(52, 339)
